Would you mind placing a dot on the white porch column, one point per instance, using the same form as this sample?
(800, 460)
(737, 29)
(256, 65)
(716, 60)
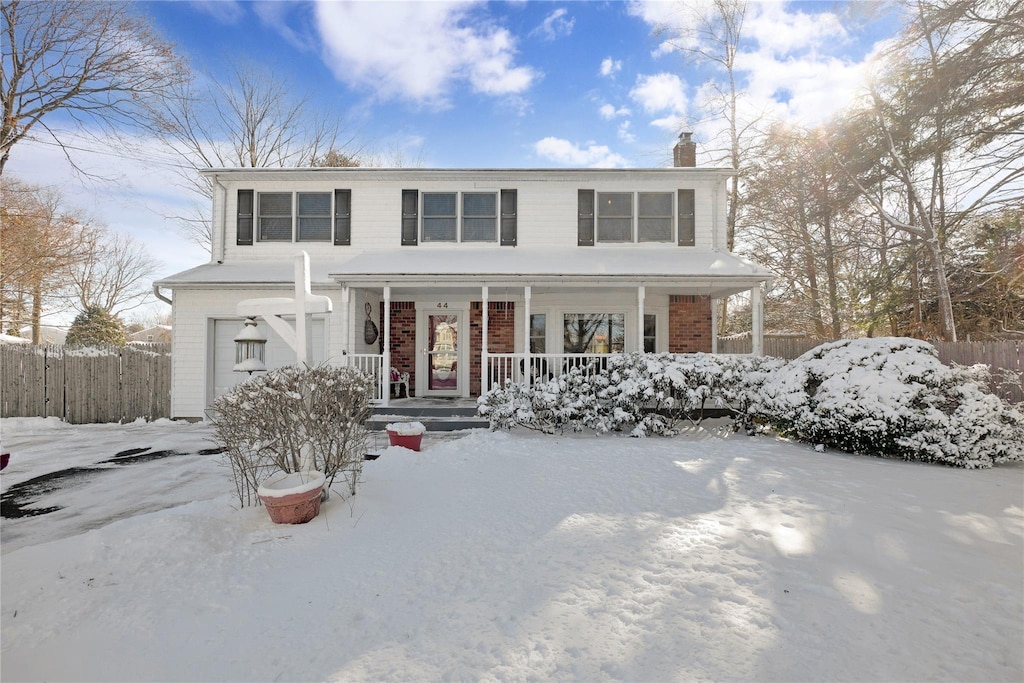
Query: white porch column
(346, 323)
(757, 321)
(527, 363)
(484, 359)
(641, 293)
(714, 326)
(385, 374)
(303, 319)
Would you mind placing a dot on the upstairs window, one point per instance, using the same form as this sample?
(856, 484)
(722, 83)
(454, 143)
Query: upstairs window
(654, 216)
(614, 216)
(479, 217)
(440, 220)
(462, 217)
(314, 216)
(275, 216)
(294, 216)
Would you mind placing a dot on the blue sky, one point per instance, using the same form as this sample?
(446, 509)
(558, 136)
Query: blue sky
(506, 84)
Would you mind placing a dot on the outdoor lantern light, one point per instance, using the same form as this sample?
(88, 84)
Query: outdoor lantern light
(250, 346)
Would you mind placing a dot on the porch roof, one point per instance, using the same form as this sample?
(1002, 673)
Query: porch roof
(713, 272)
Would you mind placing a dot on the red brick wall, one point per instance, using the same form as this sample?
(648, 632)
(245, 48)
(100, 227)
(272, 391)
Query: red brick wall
(689, 324)
(403, 338)
(501, 333)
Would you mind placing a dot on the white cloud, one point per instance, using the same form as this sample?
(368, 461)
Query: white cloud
(609, 112)
(555, 25)
(224, 11)
(625, 132)
(662, 93)
(610, 66)
(418, 50)
(780, 32)
(569, 154)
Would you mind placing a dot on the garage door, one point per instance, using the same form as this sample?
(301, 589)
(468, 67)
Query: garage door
(278, 353)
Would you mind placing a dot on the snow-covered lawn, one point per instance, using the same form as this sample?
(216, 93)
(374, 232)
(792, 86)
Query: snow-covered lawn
(710, 555)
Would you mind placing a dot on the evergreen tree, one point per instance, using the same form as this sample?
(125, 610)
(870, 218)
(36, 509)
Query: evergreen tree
(95, 325)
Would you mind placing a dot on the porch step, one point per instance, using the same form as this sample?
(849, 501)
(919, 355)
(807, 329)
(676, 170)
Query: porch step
(437, 415)
(376, 423)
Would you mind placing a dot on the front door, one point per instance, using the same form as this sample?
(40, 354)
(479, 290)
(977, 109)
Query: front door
(442, 366)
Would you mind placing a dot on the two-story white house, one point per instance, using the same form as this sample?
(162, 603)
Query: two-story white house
(462, 277)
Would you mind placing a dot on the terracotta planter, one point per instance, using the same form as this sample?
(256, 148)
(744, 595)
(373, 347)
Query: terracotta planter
(410, 441)
(292, 498)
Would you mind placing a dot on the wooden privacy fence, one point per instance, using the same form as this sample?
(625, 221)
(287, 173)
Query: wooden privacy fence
(86, 384)
(998, 355)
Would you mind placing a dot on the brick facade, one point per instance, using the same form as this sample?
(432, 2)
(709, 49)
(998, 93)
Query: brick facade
(689, 324)
(501, 332)
(403, 339)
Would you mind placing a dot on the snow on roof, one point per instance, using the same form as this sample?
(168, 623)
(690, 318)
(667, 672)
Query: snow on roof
(11, 339)
(407, 264)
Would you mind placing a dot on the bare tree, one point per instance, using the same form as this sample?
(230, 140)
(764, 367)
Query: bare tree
(114, 272)
(252, 119)
(710, 33)
(96, 62)
(40, 243)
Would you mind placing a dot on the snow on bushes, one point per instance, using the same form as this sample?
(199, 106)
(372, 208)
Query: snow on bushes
(891, 396)
(885, 396)
(644, 393)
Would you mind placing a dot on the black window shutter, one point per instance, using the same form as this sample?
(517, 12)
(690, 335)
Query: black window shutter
(585, 225)
(410, 216)
(687, 237)
(243, 231)
(508, 218)
(342, 217)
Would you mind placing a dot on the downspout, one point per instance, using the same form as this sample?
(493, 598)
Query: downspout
(222, 246)
(158, 295)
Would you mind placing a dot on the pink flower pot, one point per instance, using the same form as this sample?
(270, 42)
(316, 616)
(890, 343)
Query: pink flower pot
(292, 498)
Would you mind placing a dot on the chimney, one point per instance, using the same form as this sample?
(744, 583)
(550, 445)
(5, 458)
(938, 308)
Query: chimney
(684, 154)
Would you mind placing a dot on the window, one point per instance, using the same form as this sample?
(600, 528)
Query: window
(538, 332)
(243, 232)
(314, 216)
(275, 216)
(594, 332)
(615, 216)
(654, 218)
(439, 217)
(460, 217)
(650, 332)
(479, 217)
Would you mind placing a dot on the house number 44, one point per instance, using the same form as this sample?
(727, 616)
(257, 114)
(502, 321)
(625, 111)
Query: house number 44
(442, 305)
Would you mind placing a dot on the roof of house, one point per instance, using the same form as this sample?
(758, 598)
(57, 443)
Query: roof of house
(425, 266)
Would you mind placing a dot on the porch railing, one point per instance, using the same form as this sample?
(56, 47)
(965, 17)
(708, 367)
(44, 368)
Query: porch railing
(512, 367)
(373, 365)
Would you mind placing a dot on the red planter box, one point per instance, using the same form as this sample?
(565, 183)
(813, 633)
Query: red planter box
(410, 441)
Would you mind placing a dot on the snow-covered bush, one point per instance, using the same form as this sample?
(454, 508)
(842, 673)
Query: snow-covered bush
(891, 396)
(642, 393)
(276, 421)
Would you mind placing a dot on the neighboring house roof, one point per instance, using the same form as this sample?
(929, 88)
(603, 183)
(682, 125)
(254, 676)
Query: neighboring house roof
(11, 339)
(49, 335)
(157, 331)
(720, 271)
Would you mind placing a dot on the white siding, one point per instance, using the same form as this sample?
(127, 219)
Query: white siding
(546, 209)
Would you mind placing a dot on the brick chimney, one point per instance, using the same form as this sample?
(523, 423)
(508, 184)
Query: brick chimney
(684, 154)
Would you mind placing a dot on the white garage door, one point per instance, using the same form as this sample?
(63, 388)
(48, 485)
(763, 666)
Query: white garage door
(278, 353)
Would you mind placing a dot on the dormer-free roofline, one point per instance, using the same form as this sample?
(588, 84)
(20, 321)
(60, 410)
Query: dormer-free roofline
(440, 173)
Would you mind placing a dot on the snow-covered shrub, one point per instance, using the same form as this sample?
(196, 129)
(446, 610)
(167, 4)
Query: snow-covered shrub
(642, 393)
(891, 396)
(274, 421)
